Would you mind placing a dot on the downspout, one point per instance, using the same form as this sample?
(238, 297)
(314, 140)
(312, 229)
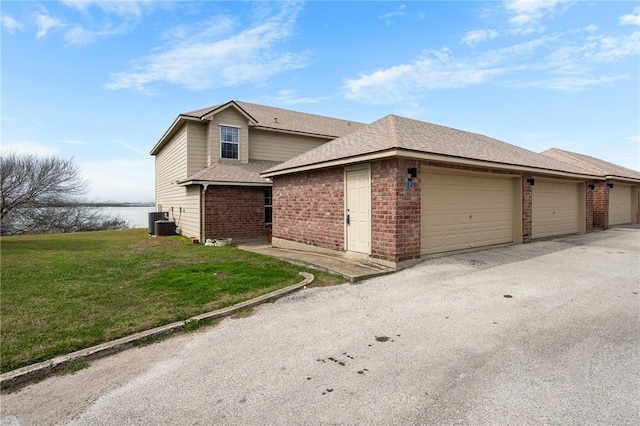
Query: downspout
(203, 212)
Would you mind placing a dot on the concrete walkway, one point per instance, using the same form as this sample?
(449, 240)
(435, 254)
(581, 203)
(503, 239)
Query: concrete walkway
(351, 269)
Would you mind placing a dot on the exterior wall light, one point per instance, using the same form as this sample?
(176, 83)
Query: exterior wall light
(531, 181)
(411, 173)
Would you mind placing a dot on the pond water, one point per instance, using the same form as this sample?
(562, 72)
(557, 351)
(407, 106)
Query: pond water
(136, 217)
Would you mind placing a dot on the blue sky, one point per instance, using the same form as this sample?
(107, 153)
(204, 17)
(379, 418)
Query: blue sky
(101, 81)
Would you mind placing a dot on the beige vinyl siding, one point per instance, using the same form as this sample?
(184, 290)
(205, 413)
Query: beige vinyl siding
(275, 146)
(229, 117)
(187, 214)
(197, 148)
(170, 166)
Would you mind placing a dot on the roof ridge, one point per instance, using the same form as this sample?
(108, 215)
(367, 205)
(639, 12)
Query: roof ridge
(393, 130)
(579, 160)
(295, 112)
(592, 163)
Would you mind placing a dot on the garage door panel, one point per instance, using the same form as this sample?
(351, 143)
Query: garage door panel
(462, 210)
(620, 197)
(555, 208)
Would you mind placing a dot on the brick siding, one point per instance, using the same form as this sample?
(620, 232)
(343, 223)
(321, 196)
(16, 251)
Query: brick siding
(636, 219)
(589, 206)
(308, 208)
(235, 212)
(527, 209)
(395, 211)
(600, 199)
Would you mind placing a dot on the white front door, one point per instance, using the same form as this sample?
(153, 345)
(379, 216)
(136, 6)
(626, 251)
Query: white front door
(358, 214)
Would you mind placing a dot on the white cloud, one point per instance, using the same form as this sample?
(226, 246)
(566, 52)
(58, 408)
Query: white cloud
(28, 147)
(45, 23)
(634, 139)
(200, 32)
(291, 97)
(570, 83)
(571, 61)
(77, 35)
(432, 70)
(10, 24)
(472, 38)
(608, 49)
(247, 56)
(632, 18)
(133, 148)
(528, 12)
(129, 8)
(387, 17)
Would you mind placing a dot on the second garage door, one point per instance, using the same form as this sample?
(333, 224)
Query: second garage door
(461, 211)
(619, 204)
(556, 208)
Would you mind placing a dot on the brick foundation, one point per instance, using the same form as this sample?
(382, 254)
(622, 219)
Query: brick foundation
(235, 212)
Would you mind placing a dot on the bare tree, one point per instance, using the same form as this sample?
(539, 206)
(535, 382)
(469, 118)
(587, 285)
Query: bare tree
(39, 195)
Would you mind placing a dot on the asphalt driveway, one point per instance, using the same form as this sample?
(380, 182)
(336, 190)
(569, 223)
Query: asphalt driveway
(536, 333)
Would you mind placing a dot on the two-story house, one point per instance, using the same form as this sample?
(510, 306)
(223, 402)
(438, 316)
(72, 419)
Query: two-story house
(392, 191)
(208, 165)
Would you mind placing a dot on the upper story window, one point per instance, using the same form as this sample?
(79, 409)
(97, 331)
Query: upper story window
(229, 142)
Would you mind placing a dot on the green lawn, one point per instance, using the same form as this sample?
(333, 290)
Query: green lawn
(65, 292)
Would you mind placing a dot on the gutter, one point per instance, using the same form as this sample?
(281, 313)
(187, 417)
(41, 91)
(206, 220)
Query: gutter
(621, 178)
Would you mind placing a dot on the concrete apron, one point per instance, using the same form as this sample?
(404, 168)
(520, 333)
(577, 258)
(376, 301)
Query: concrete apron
(353, 270)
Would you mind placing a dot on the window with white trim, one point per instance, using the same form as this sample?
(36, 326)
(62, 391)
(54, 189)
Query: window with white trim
(268, 206)
(229, 142)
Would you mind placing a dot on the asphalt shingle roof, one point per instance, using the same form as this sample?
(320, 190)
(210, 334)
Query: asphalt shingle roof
(595, 165)
(273, 118)
(233, 172)
(393, 132)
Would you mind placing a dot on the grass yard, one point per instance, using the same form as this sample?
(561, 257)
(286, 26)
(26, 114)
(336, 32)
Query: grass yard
(65, 292)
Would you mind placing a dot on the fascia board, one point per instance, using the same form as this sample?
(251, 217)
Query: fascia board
(431, 157)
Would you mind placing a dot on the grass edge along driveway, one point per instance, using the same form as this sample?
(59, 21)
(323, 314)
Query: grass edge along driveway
(65, 292)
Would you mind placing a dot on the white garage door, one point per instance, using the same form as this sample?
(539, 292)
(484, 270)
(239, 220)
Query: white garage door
(461, 211)
(555, 208)
(619, 204)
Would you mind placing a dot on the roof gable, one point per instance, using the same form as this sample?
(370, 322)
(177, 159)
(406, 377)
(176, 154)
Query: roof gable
(270, 118)
(398, 133)
(597, 166)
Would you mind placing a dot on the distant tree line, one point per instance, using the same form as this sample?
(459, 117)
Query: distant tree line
(44, 195)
